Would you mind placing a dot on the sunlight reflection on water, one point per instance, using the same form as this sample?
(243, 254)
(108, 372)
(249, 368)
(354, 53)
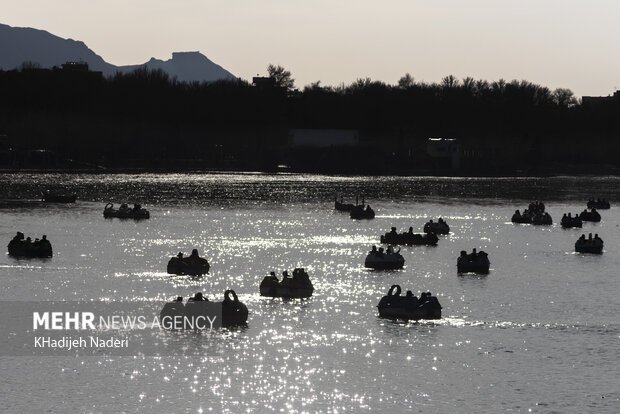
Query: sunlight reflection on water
(529, 320)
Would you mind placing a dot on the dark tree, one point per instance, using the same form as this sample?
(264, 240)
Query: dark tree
(282, 77)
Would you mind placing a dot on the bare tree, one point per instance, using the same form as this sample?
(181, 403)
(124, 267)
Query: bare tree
(282, 77)
(450, 82)
(406, 81)
(564, 97)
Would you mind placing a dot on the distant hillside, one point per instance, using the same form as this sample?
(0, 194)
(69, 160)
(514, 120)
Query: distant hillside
(186, 66)
(19, 45)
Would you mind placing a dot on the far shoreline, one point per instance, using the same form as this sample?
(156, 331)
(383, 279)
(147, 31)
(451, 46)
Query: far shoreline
(535, 173)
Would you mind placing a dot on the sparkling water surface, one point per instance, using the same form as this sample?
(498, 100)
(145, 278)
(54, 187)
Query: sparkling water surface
(540, 333)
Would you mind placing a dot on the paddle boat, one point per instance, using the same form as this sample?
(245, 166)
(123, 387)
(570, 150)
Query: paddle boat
(20, 247)
(600, 204)
(360, 213)
(126, 212)
(591, 215)
(439, 227)
(378, 259)
(408, 307)
(589, 245)
(569, 221)
(410, 238)
(298, 286)
(475, 262)
(193, 265)
(198, 311)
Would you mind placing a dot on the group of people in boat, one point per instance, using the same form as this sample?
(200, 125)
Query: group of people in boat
(594, 241)
(381, 253)
(440, 227)
(532, 217)
(473, 262)
(233, 311)
(568, 220)
(298, 286)
(409, 237)
(20, 246)
(536, 207)
(599, 203)
(409, 306)
(591, 215)
(124, 211)
(383, 260)
(191, 265)
(361, 212)
(590, 244)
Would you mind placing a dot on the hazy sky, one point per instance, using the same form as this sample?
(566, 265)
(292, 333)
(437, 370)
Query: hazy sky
(556, 43)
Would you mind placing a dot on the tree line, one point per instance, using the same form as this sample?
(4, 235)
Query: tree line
(148, 118)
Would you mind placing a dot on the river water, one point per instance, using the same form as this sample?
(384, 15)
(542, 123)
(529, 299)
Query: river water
(540, 333)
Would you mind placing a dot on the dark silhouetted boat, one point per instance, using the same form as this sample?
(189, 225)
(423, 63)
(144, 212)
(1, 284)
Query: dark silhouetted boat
(410, 238)
(537, 207)
(21, 247)
(126, 212)
(600, 204)
(569, 221)
(589, 245)
(438, 227)
(475, 262)
(360, 213)
(543, 219)
(192, 265)
(198, 310)
(591, 215)
(380, 260)
(298, 286)
(408, 307)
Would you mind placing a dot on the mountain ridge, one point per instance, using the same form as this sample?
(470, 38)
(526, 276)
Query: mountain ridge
(25, 44)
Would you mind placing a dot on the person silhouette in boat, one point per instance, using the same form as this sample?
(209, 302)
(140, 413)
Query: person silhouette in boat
(411, 300)
(286, 279)
(380, 252)
(473, 255)
(194, 254)
(374, 251)
(198, 298)
(410, 230)
(597, 240)
(180, 256)
(393, 231)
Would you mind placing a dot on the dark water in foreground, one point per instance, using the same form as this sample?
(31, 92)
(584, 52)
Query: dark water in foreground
(541, 332)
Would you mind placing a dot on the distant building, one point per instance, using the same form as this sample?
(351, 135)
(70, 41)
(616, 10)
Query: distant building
(448, 148)
(601, 100)
(75, 67)
(323, 138)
